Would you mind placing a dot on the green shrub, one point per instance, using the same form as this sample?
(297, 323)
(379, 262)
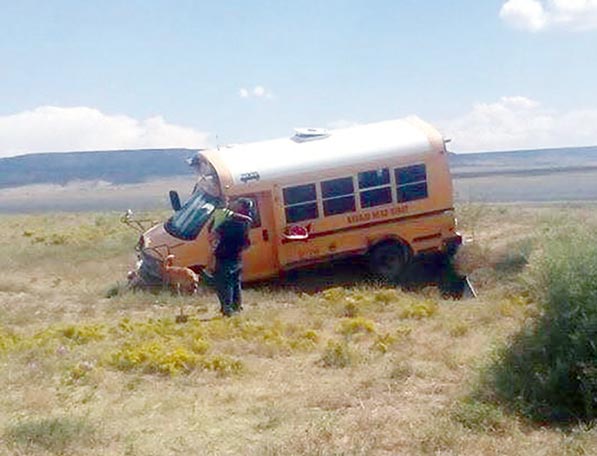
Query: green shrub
(78, 373)
(479, 416)
(8, 340)
(383, 342)
(55, 435)
(306, 340)
(548, 371)
(387, 295)
(418, 309)
(516, 257)
(222, 365)
(338, 355)
(83, 334)
(334, 294)
(351, 309)
(458, 329)
(350, 326)
(154, 357)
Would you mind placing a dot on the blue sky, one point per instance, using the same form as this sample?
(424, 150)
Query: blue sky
(492, 74)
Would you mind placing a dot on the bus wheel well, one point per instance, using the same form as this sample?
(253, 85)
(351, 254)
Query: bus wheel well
(391, 240)
(388, 258)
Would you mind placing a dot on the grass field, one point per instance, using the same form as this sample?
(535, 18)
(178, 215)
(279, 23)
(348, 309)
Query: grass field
(345, 369)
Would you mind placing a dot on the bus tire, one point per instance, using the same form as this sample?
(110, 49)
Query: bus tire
(388, 260)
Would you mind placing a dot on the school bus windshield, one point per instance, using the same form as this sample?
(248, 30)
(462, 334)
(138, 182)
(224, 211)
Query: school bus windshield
(187, 222)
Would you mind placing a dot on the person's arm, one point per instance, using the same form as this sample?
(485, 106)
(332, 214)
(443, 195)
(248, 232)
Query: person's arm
(246, 239)
(242, 217)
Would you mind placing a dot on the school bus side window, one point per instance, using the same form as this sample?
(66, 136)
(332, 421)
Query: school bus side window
(300, 203)
(338, 196)
(411, 183)
(375, 188)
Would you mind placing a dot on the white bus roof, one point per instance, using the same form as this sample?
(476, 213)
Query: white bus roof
(313, 150)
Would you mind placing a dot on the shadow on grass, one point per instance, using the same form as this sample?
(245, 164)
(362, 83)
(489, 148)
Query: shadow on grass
(423, 271)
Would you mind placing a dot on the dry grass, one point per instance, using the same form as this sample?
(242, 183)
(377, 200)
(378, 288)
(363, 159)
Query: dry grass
(350, 370)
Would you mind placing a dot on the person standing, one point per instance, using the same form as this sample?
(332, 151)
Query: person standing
(232, 239)
(220, 215)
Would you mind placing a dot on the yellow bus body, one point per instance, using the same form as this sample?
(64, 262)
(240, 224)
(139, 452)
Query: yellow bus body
(347, 205)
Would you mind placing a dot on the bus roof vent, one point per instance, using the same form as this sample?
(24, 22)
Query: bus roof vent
(309, 134)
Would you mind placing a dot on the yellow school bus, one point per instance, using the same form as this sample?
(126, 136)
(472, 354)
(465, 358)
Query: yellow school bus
(383, 190)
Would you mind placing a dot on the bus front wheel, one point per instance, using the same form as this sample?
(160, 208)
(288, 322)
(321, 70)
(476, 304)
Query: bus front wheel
(388, 260)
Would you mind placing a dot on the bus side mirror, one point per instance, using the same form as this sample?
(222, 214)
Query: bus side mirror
(174, 200)
(296, 233)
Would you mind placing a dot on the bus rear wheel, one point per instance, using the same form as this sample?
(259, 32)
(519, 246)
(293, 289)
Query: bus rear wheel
(388, 260)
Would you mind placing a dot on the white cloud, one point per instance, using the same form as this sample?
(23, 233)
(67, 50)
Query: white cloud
(536, 15)
(257, 92)
(525, 14)
(60, 129)
(514, 123)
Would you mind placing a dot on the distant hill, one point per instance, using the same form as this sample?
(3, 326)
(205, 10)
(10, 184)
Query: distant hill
(545, 175)
(524, 162)
(117, 167)
(135, 166)
(77, 181)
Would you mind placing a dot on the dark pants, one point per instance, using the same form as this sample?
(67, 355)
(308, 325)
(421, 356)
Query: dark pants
(227, 281)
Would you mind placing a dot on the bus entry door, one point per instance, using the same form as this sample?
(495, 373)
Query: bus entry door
(260, 260)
